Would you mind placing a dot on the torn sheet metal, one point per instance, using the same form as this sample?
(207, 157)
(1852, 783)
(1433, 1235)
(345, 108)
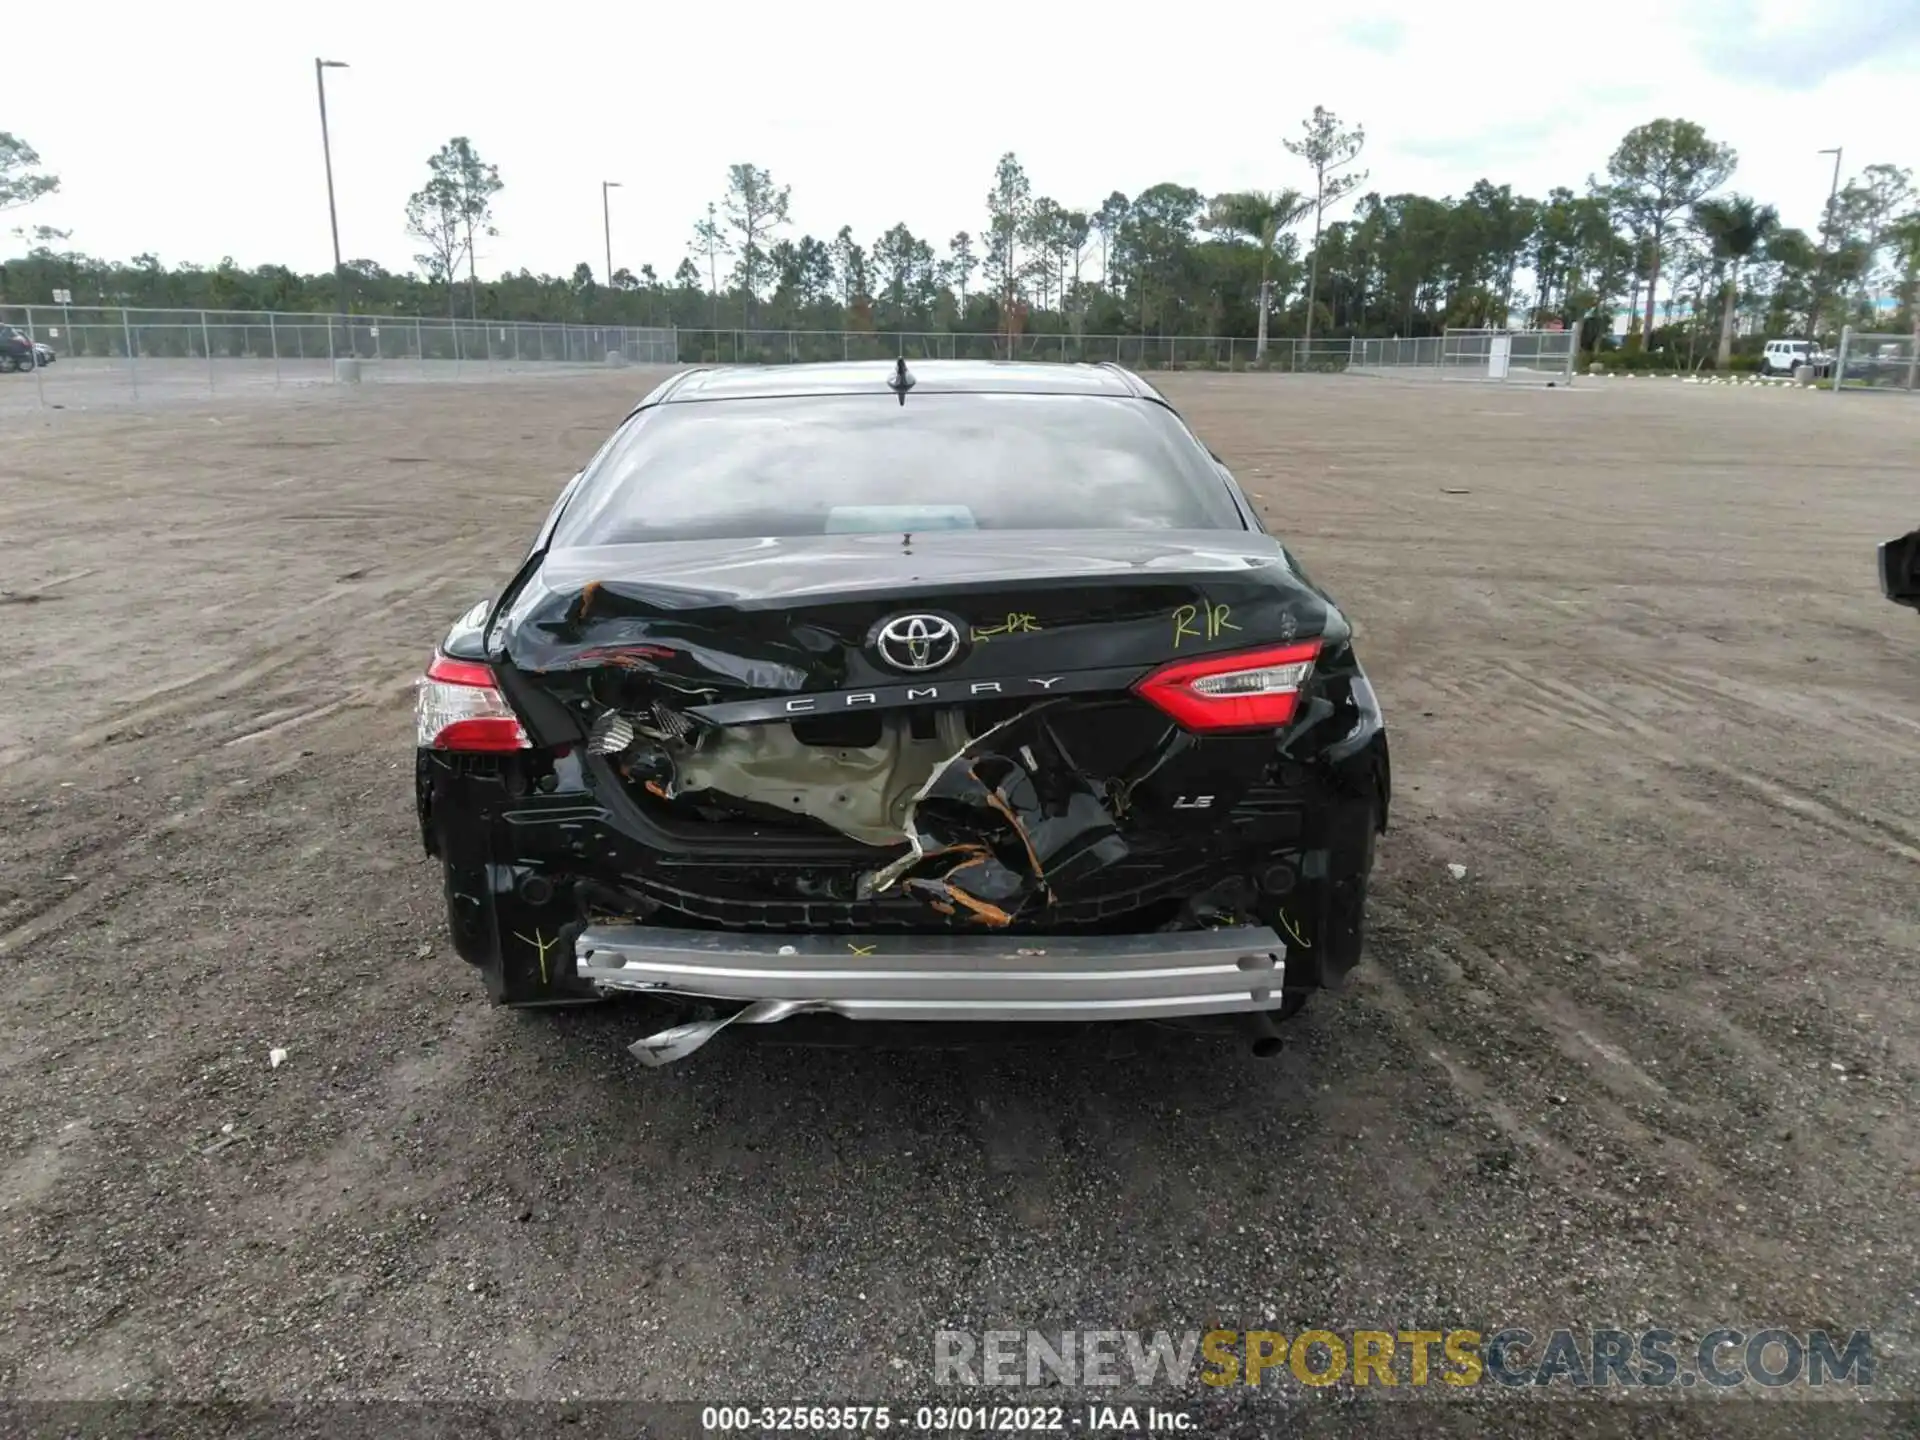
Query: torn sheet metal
(676, 1043)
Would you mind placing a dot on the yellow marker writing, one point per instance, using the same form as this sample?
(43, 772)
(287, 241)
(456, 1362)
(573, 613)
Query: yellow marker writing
(1183, 625)
(1016, 623)
(542, 946)
(1205, 621)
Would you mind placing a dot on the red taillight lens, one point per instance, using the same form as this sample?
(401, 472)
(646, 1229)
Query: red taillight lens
(1246, 690)
(458, 707)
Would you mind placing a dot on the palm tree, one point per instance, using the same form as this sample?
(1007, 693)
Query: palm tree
(1259, 216)
(1735, 226)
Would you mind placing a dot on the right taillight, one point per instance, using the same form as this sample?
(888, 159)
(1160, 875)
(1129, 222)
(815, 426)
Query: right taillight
(1243, 690)
(457, 706)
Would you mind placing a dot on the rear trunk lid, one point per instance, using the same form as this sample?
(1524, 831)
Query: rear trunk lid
(957, 702)
(719, 622)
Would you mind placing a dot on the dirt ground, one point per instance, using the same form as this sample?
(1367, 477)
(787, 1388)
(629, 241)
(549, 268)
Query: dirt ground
(1652, 1061)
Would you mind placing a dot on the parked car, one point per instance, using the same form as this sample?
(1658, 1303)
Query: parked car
(1900, 569)
(972, 692)
(17, 352)
(1781, 356)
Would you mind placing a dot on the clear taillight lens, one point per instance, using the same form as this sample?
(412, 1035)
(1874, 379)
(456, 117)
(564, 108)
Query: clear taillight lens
(457, 706)
(1246, 690)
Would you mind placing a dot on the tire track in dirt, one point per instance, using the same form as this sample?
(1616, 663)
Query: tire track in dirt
(1690, 689)
(1544, 695)
(1553, 1051)
(1723, 785)
(1481, 1094)
(284, 650)
(205, 802)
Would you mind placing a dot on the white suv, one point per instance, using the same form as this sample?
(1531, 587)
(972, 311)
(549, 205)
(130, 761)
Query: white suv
(1781, 356)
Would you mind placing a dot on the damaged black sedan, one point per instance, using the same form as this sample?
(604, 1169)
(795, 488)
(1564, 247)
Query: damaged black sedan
(966, 692)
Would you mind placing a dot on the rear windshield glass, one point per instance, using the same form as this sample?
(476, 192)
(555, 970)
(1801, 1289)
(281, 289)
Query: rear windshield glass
(737, 469)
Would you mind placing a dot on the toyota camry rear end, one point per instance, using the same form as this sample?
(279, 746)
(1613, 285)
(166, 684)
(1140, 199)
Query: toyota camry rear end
(970, 692)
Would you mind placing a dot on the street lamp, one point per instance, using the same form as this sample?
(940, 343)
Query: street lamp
(606, 225)
(1826, 236)
(320, 68)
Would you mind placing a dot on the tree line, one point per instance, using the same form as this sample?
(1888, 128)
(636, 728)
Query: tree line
(1658, 233)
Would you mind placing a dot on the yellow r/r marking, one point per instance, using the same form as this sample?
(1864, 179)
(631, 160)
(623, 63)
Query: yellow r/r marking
(542, 946)
(861, 949)
(1205, 621)
(1183, 619)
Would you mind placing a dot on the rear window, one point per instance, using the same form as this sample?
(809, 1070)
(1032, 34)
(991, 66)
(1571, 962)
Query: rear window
(737, 469)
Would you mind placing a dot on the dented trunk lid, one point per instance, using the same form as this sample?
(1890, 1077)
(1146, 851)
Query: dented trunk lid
(745, 631)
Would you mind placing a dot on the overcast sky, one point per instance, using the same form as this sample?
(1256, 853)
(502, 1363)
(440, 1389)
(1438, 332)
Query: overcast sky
(190, 130)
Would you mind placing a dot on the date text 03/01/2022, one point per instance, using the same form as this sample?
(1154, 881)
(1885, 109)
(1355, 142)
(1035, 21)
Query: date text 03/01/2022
(945, 1419)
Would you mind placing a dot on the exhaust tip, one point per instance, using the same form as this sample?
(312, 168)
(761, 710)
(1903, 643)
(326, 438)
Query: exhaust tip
(1266, 1040)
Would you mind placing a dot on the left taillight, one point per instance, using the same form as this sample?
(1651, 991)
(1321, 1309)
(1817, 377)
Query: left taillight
(457, 706)
(1244, 690)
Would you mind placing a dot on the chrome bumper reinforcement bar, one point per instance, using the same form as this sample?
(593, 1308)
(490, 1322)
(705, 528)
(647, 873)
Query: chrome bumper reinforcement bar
(934, 977)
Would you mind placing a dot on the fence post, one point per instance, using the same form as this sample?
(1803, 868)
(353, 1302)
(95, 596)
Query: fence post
(206, 344)
(133, 368)
(1840, 360)
(273, 343)
(33, 356)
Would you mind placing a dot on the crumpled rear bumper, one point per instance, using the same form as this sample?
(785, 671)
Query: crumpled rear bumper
(935, 977)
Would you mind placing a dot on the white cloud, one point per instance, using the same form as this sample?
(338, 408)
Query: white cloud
(1382, 34)
(1796, 46)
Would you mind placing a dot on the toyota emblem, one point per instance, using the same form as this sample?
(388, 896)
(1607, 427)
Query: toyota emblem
(918, 642)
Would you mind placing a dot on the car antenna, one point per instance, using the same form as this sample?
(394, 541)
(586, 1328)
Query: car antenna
(902, 380)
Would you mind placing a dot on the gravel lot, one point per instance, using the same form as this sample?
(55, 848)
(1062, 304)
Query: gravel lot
(1653, 1060)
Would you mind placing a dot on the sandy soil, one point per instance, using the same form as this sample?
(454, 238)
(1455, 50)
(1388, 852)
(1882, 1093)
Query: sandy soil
(1652, 1061)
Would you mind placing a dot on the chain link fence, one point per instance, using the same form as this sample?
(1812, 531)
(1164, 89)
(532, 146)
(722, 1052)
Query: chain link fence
(102, 354)
(1536, 356)
(92, 355)
(1870, 361)
(1136, 352)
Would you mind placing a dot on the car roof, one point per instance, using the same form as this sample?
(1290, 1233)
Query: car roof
(930, 377)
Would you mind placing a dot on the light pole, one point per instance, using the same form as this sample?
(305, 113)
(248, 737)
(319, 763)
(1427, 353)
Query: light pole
(320, 68)
(606, 224)
(1826, 236)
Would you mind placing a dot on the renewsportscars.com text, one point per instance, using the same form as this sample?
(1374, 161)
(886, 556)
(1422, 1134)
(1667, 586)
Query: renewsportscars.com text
(1511, 1356)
